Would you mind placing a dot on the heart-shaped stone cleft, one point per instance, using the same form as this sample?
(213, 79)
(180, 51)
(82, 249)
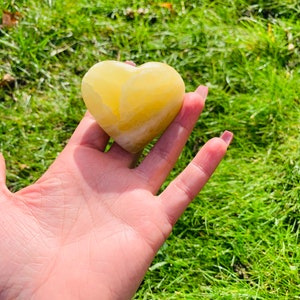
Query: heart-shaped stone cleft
(133, 105)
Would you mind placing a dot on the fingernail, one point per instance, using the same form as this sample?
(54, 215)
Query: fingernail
(227, 137)
(202, 90)
(130, 62)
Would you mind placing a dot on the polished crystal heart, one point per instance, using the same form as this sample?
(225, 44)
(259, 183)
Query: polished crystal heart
(132, 104)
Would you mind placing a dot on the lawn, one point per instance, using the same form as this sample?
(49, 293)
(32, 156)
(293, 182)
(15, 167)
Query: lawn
(239, 239)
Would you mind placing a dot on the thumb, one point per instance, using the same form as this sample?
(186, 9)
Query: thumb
(3, 188)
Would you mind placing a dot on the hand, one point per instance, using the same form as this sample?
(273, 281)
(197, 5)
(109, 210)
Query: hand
(91, 225)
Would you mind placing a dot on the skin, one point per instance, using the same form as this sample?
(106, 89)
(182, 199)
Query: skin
(91, 225)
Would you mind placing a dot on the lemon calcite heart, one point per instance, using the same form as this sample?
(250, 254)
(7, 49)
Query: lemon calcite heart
(133, 104)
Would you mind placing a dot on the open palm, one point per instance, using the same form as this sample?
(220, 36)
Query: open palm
(91, 225)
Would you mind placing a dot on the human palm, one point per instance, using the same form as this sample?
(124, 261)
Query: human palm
(91, 225)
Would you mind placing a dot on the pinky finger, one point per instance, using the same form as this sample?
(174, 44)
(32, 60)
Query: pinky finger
(185, 187)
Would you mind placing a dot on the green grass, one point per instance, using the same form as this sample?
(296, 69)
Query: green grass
(239, 239)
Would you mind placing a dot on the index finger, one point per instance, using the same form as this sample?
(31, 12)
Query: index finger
(89, 133)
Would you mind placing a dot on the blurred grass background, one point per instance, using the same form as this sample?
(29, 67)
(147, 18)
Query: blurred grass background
(240, 237)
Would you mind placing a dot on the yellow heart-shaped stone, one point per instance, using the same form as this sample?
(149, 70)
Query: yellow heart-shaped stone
(132, 104)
